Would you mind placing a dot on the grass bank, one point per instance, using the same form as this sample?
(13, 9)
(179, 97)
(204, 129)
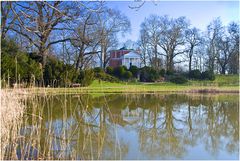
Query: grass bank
(222, 84)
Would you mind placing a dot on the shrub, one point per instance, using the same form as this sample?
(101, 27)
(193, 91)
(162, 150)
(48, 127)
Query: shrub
(134, 70)
(109, 70)
(162, 72)
(12, 57)
(195, 74)
(110, 78)
(98, 70)
(208, 75)
(69, 75)
(178, 79)
(169, 72)
(53, 72)
(106, 77)
(99, 73)
(127, 75)
(125, 68)
(86, 77)
(119, 71)
(148, 74)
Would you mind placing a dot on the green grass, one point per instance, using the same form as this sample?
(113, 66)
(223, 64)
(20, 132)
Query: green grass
(220, 80)
(227, 79)
(220, 84)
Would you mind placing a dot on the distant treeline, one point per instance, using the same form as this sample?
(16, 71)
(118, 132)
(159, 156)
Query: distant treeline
(26, 69)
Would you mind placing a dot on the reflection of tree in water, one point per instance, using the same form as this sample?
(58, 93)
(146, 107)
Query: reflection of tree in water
(169, 124)
(83, 127)
(72, 129)
(163, 138)
(222, 122)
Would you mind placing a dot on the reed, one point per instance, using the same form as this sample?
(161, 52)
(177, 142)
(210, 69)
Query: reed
(11, 113)
(30, 128)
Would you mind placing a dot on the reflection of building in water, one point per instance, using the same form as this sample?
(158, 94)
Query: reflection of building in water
(125, 117)
(132, 116)
(116, 117)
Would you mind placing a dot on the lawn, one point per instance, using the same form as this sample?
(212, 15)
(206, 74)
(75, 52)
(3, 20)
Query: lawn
(220, 80)
(228, 84)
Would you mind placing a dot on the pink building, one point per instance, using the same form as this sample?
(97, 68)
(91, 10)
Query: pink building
(124, 57)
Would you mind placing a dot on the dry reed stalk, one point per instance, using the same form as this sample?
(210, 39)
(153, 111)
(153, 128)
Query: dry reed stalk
(11, 112)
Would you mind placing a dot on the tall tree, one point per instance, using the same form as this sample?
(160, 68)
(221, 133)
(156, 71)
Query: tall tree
(129, 44)
(150, 37)
(7, 18)
(224, 54)
(200, 55)
(193, 39)
(111, 22)
(143, 44)
(172, 39)
(214, 33)
(233, 30)
(37, 20)
(85, 38)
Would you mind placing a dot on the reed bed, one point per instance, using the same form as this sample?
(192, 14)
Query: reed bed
(11, 113)
(43, 126)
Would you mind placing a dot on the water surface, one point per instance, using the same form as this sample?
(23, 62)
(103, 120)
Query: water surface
(133, 126)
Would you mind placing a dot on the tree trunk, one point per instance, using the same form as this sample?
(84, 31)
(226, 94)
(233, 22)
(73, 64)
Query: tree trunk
(189, 118)
(171, 65)
(43, 53)
(79, 58)
(155, 57)
(190, 59)
(190, 64)
(167, 63)
(223, 71)
(103, 57)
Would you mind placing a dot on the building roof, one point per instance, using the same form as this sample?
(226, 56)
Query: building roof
(123, 48)
(132, 54)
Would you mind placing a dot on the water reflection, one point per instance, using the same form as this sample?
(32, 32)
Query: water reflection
(132, 127)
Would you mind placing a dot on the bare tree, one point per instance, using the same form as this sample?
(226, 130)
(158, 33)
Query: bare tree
(165, 37)
(136, 5)
(129, 44)
(193, 39)
(39, 21)
(150, 37)
(224, 54)
(143, 44)
(111, 22)
(233, 30)
(214, 33)
(85, 39)
(172, 39)
(200, 55)
(66, 52)
(228, 45)
(7, 18)
(36, 21)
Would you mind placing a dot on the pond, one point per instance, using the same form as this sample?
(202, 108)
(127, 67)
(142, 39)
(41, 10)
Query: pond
(131, 126)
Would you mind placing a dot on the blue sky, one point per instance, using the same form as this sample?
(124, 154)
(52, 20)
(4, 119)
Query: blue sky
(200, 13)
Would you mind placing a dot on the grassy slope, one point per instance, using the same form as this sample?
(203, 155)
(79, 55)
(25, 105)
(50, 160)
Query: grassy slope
(221, 80)
(220, 84)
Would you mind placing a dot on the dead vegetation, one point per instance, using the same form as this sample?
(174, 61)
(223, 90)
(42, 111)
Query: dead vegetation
(11, 112)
